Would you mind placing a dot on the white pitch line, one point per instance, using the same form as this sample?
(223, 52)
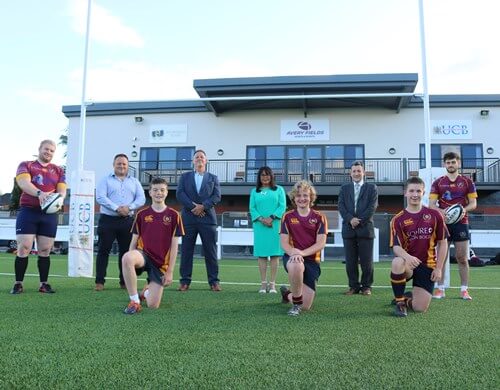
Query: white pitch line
(244, 283)
(200, 263)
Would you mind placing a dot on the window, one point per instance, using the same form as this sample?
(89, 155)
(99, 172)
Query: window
(471, 155)
(167, 158)
(344, 155)
(149, 158)
(292, 161)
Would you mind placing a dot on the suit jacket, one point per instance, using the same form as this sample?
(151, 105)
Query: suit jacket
(209, 196)
(367, 203)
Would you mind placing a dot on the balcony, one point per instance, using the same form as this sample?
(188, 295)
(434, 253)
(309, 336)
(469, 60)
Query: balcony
(322, 172)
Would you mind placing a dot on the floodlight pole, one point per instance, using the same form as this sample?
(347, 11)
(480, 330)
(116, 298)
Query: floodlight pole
(425, 98)
(83, 109)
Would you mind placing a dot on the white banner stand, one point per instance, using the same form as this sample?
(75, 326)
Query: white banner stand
(446, 271)
(81, 224)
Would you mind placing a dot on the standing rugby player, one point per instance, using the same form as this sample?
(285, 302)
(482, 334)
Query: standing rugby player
(37, 179)
(448, 190)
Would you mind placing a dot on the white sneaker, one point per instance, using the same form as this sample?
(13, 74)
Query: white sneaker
(295, 310)
(438, 294)
(272, 288)
(262, 291)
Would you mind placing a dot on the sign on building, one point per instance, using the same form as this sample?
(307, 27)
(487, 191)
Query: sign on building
(305, 130)
(451, 130)
(168, 134)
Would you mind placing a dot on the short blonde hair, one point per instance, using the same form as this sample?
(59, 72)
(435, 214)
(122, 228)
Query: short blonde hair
(303, 185)
(47, 141)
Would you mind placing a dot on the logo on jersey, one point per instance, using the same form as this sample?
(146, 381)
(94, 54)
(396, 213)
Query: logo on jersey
(313, 221)
(460, 184)
(426, 217)
(167, 220)
(447, 196)
(38, 179)
(294, 221)
(421, 233)
(408, 222)
(148, 218)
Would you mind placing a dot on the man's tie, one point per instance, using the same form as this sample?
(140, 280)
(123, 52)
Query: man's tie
(357, 187)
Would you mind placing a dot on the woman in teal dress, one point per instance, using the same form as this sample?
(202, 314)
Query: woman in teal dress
(267, 206)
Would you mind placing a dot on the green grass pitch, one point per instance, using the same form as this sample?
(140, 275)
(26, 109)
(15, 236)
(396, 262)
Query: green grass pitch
(238, 339)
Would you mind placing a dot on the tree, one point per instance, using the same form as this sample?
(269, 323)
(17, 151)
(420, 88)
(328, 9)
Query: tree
(63, 141)
(15, 195)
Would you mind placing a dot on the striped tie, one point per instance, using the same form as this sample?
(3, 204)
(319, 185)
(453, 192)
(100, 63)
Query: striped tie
(356, 195)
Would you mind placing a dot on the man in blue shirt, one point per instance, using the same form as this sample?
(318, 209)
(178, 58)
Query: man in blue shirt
(119, 195)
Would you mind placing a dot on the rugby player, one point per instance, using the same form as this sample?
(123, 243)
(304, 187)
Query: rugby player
(37, 180)
(303, 236)
(418, 240)
(153, 249)
(448, 190)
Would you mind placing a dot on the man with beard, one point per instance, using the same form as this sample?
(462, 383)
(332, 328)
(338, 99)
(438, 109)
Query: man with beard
(37, 180)
(446, 191)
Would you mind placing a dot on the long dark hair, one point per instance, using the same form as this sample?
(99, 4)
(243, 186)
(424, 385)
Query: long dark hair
(268, 171)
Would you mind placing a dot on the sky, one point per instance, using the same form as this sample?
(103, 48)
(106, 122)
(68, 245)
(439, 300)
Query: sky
(153, 50)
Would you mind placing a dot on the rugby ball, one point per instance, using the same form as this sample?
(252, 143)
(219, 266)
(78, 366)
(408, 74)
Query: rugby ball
(52, 203)
(453, 214)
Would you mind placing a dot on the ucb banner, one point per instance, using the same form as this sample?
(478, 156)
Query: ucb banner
(81, 224)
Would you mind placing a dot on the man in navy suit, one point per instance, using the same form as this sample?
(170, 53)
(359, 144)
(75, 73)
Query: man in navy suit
(198, 192)
(357, 203)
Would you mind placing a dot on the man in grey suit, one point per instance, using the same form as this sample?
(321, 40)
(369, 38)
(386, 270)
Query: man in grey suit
(357, 203)
(199, 191)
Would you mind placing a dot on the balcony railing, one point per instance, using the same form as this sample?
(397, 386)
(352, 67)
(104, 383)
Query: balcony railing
(319, 171)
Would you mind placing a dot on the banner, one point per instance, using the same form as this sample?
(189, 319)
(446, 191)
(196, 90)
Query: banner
(305, 130)
(451, 129)
(168, 134)
(81, 224)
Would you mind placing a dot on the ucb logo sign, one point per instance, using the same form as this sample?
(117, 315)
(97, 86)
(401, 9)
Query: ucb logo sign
(451, 129)
(84, 216)
(157, 133)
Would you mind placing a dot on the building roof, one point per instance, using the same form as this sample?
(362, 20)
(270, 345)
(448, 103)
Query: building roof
(458, 101)
(302, 92)
(145, 107)
(389, 91)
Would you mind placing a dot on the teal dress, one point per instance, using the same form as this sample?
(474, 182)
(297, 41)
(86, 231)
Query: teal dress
(266, 240)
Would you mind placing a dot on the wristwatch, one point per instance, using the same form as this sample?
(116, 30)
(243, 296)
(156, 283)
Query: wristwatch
(38, 192)
(273, 217)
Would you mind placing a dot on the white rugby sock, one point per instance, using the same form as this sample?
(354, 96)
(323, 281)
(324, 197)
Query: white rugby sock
(135, 298)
